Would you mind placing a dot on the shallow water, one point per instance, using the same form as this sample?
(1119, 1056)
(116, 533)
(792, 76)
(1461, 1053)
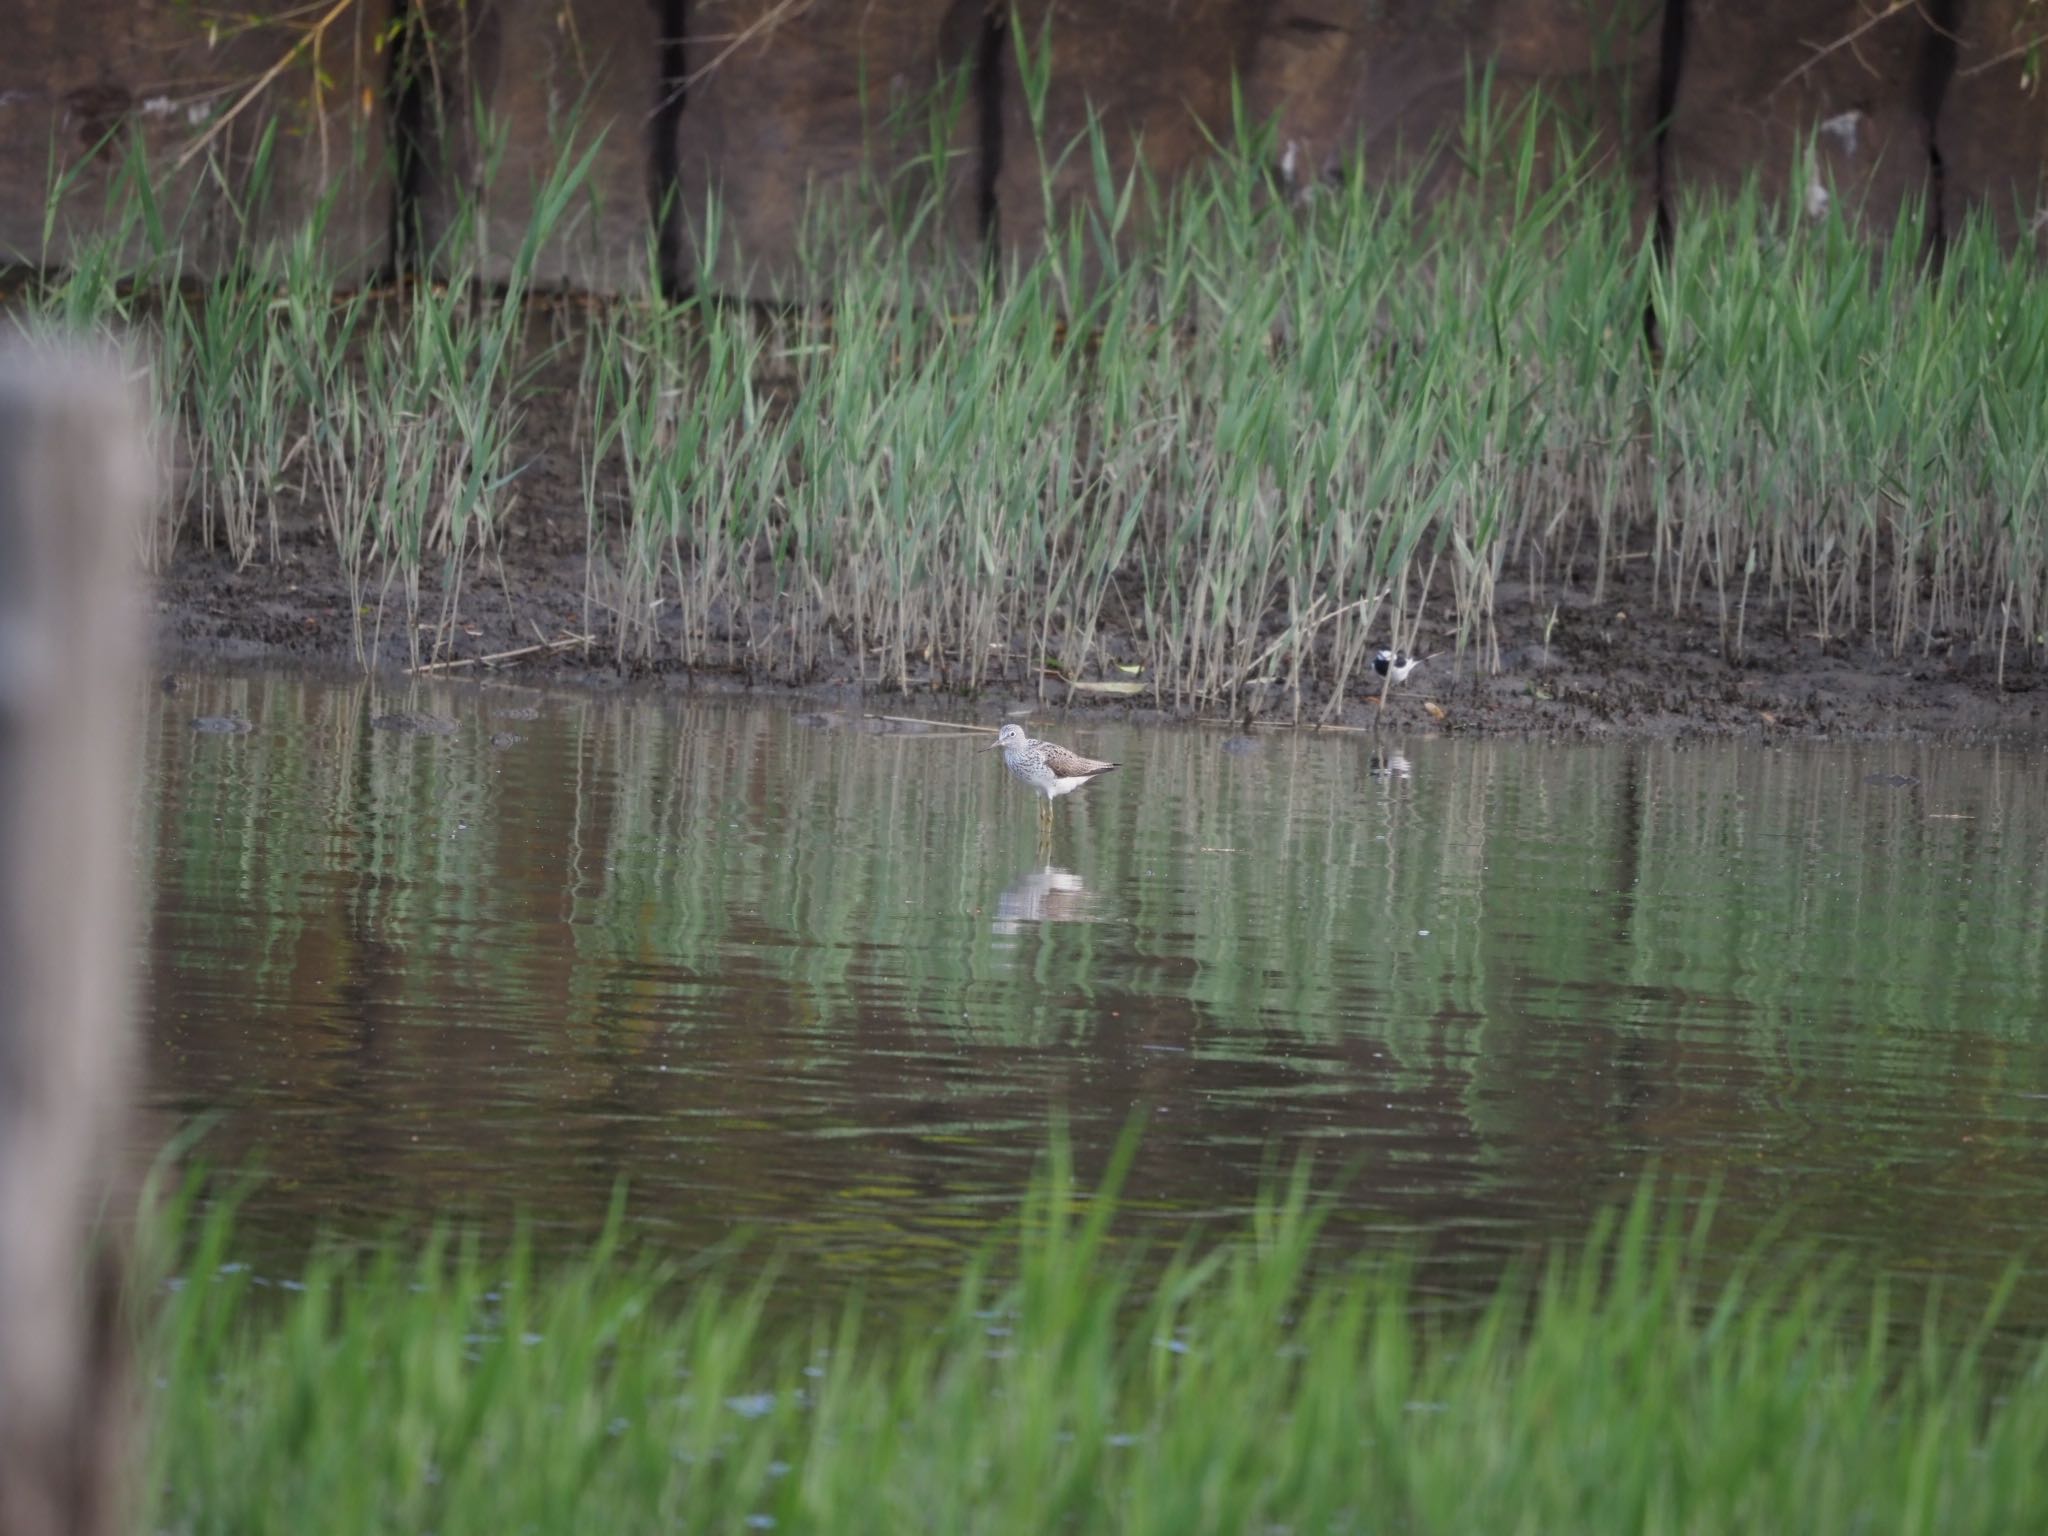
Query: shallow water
(783, 975)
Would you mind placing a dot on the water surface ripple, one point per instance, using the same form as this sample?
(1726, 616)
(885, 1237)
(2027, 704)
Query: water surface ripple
(785, 976)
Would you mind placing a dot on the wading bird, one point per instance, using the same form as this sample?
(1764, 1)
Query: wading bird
(1046, 767)
(1396, 665)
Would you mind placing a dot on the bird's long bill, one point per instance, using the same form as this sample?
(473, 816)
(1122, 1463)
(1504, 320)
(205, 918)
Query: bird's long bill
(990, 747)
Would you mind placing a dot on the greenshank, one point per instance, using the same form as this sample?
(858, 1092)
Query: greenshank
(1045, 766)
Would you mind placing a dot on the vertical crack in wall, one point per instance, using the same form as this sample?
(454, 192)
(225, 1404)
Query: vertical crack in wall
(1937, 68)
(1670, 68)
(665, 152)
(407, 107)
(988, 95)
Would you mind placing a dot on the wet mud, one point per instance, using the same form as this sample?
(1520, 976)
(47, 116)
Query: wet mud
(1570, 666)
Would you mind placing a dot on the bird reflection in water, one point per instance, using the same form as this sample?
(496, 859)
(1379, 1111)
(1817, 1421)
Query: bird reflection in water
(1048, 895)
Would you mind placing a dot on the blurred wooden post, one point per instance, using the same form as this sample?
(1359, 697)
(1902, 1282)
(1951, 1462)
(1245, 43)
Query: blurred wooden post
(74, 480)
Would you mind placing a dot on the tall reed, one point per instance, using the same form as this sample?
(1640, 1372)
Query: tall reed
(1217, 440)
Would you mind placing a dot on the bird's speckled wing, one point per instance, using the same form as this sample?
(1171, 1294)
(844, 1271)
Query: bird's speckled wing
(1072, 765)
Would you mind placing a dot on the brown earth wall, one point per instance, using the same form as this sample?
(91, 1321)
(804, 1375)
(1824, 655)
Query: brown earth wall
(710, 123)
(183, 123)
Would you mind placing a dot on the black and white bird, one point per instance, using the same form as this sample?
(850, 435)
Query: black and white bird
(1396, 665)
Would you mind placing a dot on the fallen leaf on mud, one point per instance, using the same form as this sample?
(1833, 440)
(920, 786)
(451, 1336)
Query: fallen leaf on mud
(1436, 710)
(1089, 685)
(1768, 717)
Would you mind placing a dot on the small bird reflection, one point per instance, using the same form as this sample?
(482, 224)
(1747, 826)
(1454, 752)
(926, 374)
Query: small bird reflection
(1048, 895)
(1391, 765)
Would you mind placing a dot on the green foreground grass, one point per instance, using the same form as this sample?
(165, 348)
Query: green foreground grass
(1230, 438)
(1246, 1389)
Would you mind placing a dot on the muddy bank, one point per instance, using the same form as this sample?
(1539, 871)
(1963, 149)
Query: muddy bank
(1621, 667)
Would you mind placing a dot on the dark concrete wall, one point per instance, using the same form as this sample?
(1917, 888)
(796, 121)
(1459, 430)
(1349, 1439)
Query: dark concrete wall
(497, 97)
(784, 101)
(1760, 80)
(102, 95)
(1991, 134)
(402, 113)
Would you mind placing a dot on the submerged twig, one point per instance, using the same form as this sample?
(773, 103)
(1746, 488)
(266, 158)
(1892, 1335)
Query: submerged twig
(562, 644)
(1310, 728)
(950, 725)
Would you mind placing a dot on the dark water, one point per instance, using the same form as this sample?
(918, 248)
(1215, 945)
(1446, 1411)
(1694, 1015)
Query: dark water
(813, 981)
